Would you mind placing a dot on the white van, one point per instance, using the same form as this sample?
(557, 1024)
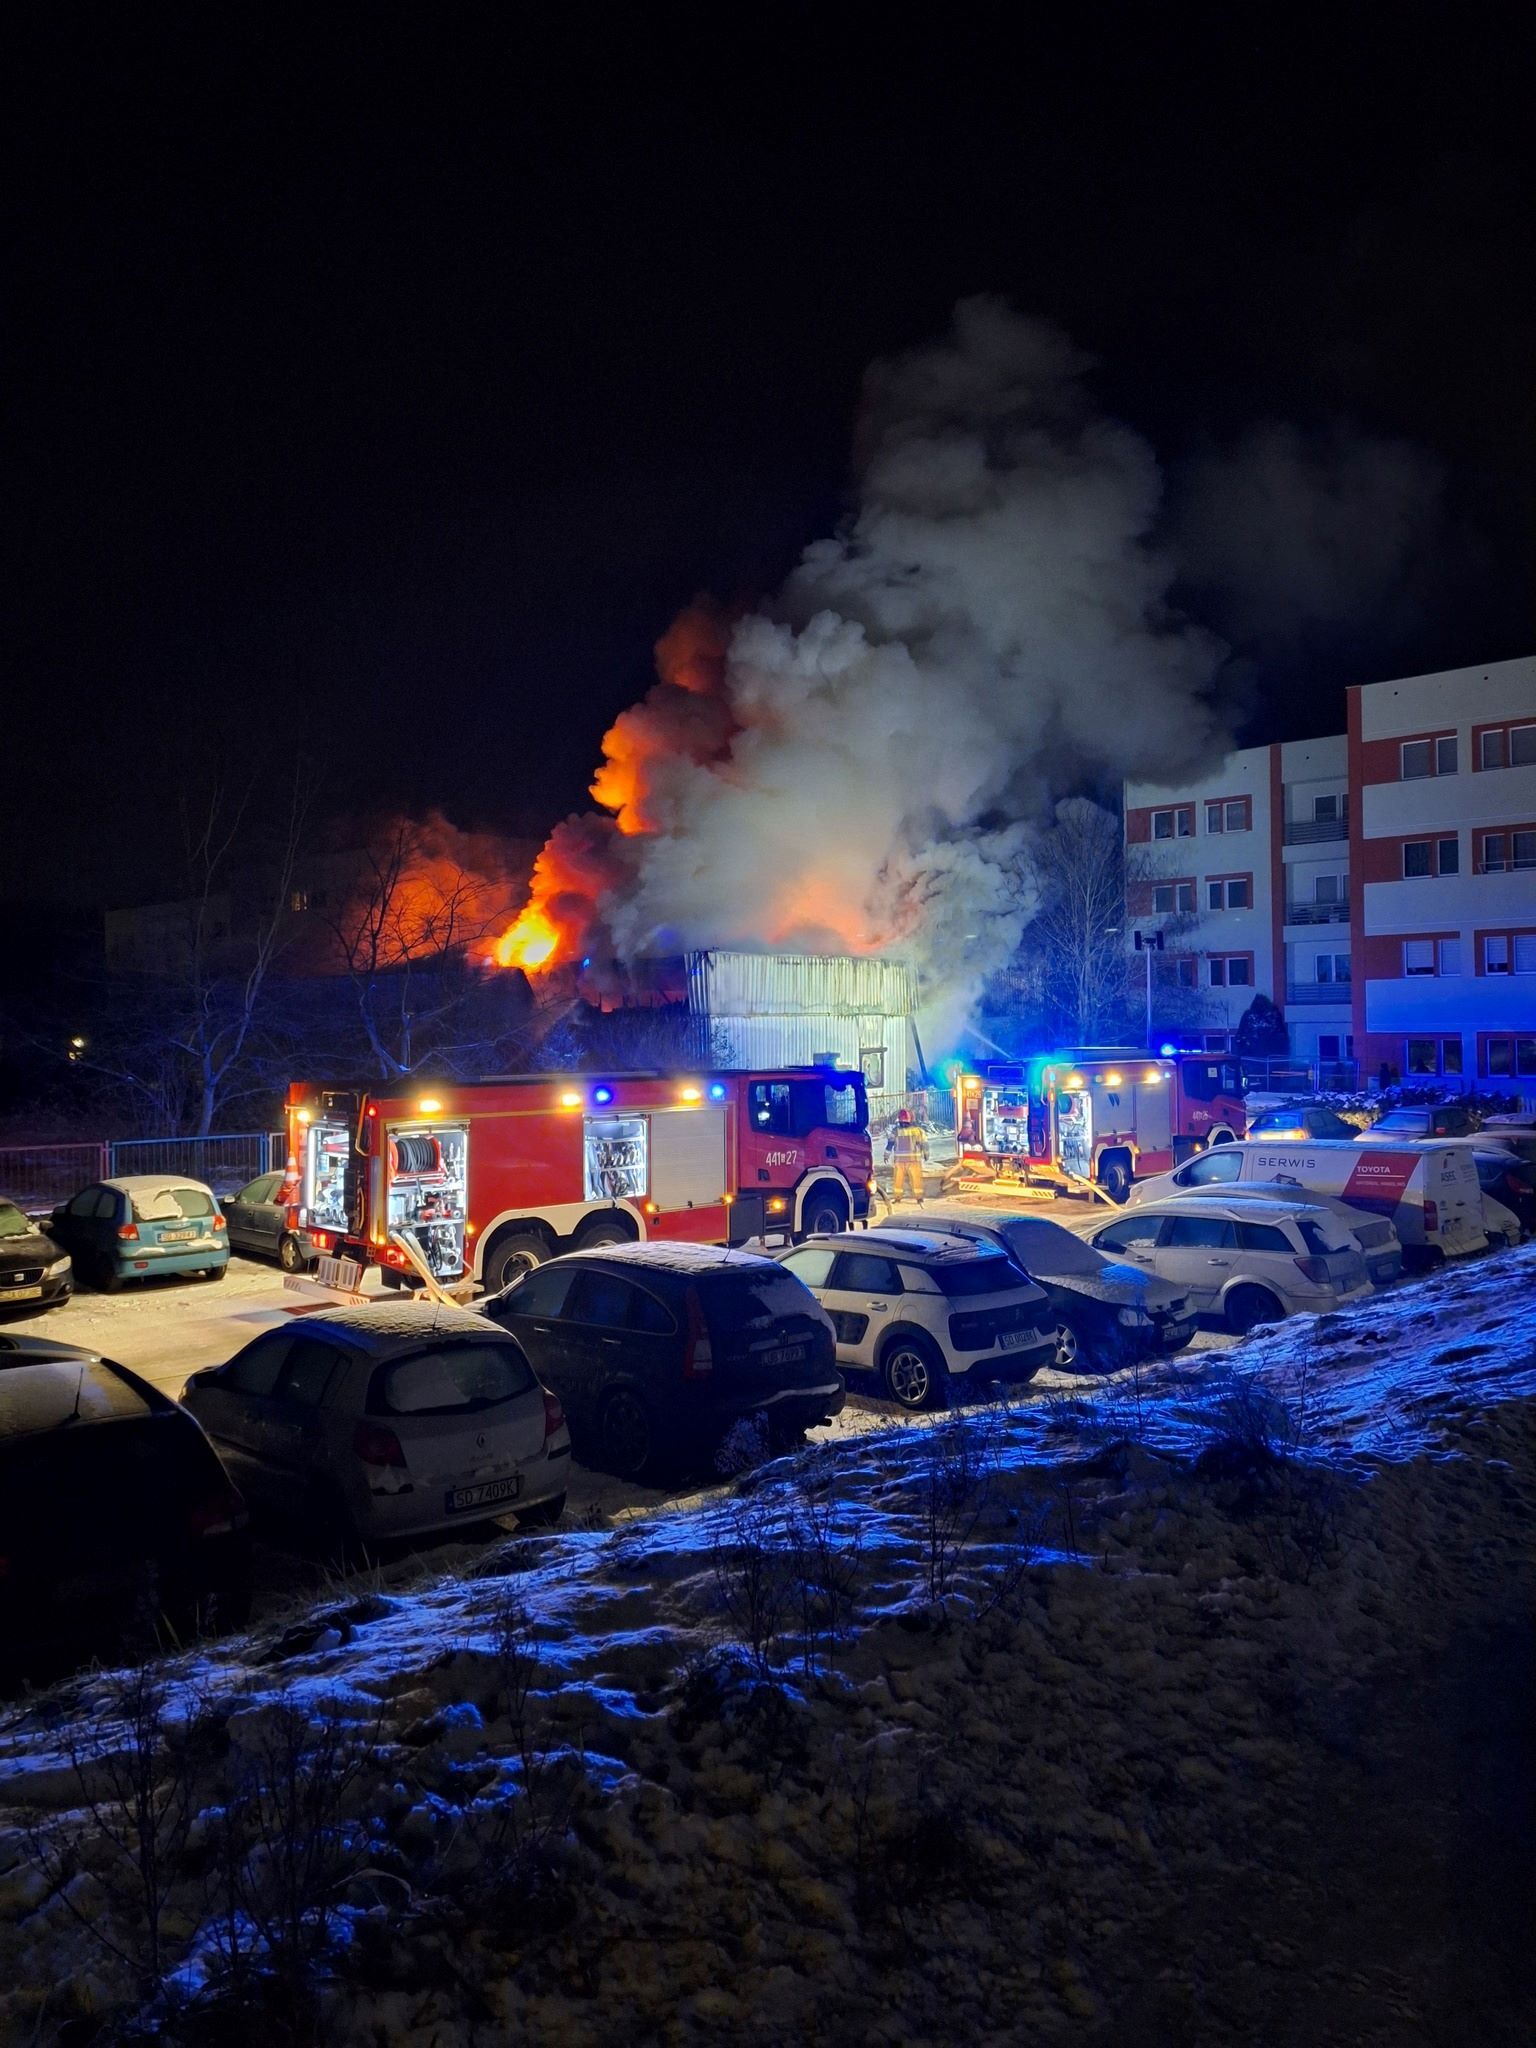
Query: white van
(1429, 1189)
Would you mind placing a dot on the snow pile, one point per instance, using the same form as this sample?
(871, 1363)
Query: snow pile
(1145, 1714)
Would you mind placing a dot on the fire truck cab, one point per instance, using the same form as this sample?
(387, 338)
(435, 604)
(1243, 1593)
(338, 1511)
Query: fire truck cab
(492, 1177)
(1099, 1117)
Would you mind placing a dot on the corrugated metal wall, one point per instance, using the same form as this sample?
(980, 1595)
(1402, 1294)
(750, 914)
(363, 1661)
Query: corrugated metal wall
(785, 1009)
(799, 984)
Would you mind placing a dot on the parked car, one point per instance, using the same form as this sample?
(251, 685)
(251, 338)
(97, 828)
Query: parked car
(1432, 1120)
(920, 1308)
(116, 1518)
(1106, 1313)
(658, 1350)
(1301, 1120)
(1247, 1261)
(34, 1274)
(1508, 1180)
(1518, 1121)
(1426, 1190)
(1209, 1172)
(365, 1424)
(258, 1222)
(117, 1230)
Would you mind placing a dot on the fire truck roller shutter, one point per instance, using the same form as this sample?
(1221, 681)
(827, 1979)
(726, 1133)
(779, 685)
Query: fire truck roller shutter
(688, 1165)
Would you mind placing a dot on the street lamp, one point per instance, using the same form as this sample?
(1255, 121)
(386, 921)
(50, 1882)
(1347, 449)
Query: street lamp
(1149, 943)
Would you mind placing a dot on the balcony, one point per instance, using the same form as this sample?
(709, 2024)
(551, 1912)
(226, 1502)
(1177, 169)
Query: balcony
(1317, 913)
(1314, 831)
(1335, 992)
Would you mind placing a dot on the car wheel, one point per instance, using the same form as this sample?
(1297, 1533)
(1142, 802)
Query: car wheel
(624, 1434)
(1071, 1352)
(290, 1253)
(216, 1272)
(1247, 1307)
(511, 1259)
(824, 1214)
(105, 1277)
(915, 1376)
(543, 1515)
(1223, 1137)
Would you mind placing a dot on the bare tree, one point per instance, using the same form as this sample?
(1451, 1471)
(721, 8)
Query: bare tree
(409, 934)
(179, 1035)
(1077, 963)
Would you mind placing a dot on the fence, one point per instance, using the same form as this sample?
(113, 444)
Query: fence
(37, 1176)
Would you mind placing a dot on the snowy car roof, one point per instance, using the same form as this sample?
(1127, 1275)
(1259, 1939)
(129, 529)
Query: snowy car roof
(385, 1327)
(667, 1256)
(1242, 1208)
(47, 1393)
(149, 1183)
(942, 1245)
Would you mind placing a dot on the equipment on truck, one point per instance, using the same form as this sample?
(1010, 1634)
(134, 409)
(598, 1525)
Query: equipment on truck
(491, 1177)
(1093, 1119)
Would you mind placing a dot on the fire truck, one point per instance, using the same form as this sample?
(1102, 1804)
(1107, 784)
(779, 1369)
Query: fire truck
(1095, 1118)
(491, 1177)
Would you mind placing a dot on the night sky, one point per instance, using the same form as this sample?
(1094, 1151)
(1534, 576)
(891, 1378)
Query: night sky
(380, 387)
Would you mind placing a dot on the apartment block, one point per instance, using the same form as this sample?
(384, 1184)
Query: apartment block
(1443, 840)
(1379, 884)
(1246, 875)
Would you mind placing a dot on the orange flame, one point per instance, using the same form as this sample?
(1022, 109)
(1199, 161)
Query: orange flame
(531, 943)
(685, 716)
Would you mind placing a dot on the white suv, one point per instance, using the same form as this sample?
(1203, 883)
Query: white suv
(919, 1308)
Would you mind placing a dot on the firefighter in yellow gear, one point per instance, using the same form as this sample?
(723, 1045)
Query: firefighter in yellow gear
(907, 1144)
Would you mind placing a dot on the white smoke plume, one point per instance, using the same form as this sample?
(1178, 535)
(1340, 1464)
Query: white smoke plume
(874, 750)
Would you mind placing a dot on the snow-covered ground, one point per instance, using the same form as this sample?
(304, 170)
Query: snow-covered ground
(1196, 1712)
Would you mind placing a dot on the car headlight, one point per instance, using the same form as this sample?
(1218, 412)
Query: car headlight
(57, 1267)
(1133, 1318)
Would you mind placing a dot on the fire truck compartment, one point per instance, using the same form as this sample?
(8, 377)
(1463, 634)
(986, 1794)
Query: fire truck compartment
(326, 1149)
(688, 1169)
(428, 1170)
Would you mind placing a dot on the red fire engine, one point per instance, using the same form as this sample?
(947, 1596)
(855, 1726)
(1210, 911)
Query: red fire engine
(1097, 1115)
(493, 1176)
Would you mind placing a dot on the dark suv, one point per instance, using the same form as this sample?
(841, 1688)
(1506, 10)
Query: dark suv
(118, 1524)
(657, 1350)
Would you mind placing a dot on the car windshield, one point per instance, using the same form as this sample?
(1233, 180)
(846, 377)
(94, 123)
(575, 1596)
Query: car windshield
(1042, 1247)
(992, 1273)
(12, 1222)
(165, 1205)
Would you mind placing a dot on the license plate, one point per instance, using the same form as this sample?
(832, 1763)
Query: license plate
(1383, 1269)
(19, 1293)
(177, 1236)
(485, 1495)
(787, 1354)
(1015, 1340)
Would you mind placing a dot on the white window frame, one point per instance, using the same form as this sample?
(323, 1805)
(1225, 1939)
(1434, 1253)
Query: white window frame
(1418, 957)
(1523, 942)
(1448, 956)
(1492, 964)
(1329, 815)
(1452, 839)
(1415, 747)
(1444, 741)
(1526, 734)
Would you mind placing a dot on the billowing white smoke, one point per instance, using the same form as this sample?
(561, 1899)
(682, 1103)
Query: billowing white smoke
(990, 629)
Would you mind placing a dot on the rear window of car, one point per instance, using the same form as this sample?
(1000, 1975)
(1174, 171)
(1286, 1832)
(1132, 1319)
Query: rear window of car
(460, 1379)
(1048, 1248)
(734, 1302)
(165, 1205)
(994, 1275)
(12, 1222)
(1322, 1237)
(1263, 1237)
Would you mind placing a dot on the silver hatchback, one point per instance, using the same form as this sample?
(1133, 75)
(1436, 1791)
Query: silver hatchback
(1247, 1261)
(399, 1420)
